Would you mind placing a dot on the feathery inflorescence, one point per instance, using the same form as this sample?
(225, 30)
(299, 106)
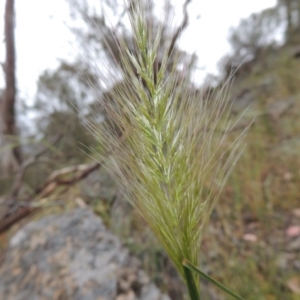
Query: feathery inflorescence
(166, 144)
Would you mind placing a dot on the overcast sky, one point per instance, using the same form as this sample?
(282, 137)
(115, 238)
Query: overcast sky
(42, 36)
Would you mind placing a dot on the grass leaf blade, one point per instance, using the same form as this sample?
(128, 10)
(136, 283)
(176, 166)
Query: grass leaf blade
(190, 266)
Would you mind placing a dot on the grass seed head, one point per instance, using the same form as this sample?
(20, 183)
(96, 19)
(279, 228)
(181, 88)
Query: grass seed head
(168, 147)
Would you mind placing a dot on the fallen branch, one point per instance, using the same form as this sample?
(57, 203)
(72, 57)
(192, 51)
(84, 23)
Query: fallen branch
(10, 220)
(66, 176)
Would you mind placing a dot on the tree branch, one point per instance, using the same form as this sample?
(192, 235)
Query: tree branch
(181, 27)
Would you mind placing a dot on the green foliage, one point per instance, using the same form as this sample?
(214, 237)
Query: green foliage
(61, 94)
(262, 192)
(254, 33)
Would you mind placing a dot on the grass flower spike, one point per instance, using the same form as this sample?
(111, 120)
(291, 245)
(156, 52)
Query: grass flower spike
(168, 147)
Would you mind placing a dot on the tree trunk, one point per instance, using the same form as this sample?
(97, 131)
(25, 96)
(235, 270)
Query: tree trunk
(288, 7)
(298, 15)
(10, 155)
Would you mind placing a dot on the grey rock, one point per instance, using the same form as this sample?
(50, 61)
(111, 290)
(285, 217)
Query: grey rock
(267, 81)
(98, 185)
(276, 109)
(72, 256)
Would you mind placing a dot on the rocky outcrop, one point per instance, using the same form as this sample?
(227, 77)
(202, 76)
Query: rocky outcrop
(72, 256)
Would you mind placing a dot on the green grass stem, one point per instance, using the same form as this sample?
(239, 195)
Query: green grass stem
(191, 267)
(191, 284)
